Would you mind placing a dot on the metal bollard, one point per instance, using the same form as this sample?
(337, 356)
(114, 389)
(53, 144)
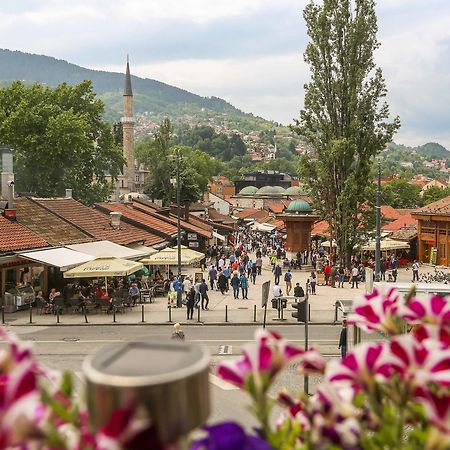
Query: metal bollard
(254, 313)
(114, 314)
(170, 313)
(57, 314)
(31, 313)
(3, 314)
(226, 313)
(142, 313)
(85, 315)
(198, 314)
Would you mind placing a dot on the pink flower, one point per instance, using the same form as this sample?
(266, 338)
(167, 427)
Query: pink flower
(433, 310)
(262, 360)
(437, 408)
(367, 364)
(420, 363)
(435, 332)
(377, 312)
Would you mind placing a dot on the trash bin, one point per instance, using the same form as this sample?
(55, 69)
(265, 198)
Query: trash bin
(300, 314)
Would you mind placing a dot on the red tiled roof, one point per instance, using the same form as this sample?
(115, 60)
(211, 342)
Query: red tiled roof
(96, 223)
(277, 208)
(321, 228)
(246, 213)
(388, 212)
(44, 223)
(216, 216)
(138, 216)
(140, 206)
(15, 237)
(440, 207)
(279, 224)
(402, 222)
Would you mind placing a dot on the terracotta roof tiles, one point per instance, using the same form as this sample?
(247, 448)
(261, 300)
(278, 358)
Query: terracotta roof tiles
(402, 222)
(96, 223)
(15, 237)
(438, 208)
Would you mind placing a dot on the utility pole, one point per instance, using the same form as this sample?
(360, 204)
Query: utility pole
(378, 228)
(178, 214)
(331, 231)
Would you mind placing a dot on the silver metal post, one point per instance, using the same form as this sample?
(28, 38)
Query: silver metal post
(178, 217)
(378, 228)
(306, 378)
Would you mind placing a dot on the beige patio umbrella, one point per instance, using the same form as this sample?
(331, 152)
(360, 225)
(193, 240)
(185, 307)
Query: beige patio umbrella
(169, 257)
(104, 266)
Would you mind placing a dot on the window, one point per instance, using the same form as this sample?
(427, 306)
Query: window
(442, 250)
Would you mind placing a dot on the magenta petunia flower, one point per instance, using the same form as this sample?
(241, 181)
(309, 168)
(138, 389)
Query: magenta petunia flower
(262, 360)
(367, 364)
(377, 311)
(432, 310)
(437, 408)
(435, 332)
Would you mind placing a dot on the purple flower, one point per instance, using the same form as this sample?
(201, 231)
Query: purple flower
(229, 436)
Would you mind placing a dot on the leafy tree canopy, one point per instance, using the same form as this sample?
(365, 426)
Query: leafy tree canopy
(434, 193)
(60, 140)
(343, 119)
(399, 193)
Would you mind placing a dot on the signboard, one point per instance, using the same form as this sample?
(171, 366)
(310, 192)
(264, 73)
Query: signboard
(265, 288)
(193, 244)
(433, 256)
(369, 280)
(198, 277)
(192, 236)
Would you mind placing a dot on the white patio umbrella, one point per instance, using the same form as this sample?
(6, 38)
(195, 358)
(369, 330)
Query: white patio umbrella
(169, 257)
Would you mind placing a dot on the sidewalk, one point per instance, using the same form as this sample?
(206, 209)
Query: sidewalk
(223, 309)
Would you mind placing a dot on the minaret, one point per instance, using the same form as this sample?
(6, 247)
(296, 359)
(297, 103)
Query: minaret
(128, 131)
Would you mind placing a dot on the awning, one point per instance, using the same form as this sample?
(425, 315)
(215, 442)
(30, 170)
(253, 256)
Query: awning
(107, 248)
(104, 267)
(218, 236)
(264, 227)
(61, 257)
(386, 244)
(147, 251)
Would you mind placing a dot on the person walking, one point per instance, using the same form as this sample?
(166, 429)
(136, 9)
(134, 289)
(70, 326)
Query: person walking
(415, 271)
(343, 339)
(204, 294)
(212, 275)
(258, 264)
(327, 272)
(178, 333)
(312, 283)
(273, 262)
(277, 272)
(222, 282)
(355, 274)
(190, 303)
(197, 293)
(288, 281)
(333, 275)
(187, 284)
(235, 283)
(254, 273)
(244, 286)
(341, 276)
(249, 268)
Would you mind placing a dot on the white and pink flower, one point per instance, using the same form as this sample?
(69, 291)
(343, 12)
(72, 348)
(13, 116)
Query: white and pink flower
(433, 310)
(377, 311)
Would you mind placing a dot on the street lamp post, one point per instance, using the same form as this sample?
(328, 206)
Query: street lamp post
(178, 156)
(378, 228)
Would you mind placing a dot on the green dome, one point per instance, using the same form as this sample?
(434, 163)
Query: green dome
(270, 190)
(299, 206)
(248, 190)
(294, 190)
(280, 190)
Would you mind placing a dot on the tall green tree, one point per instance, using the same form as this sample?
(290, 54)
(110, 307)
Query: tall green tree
(398, 193)
(434, 193)
(60, 140)
(344, 117)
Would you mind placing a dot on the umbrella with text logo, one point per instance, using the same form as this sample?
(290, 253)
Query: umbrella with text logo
(169, 257)
(104, 266)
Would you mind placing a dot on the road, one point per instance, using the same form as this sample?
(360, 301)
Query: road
(66, 347)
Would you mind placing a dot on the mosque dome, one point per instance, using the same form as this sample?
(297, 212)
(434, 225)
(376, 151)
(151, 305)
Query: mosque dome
(248, 190)
(280, 190)
(270, 190)
(294, 190)
(299, 206)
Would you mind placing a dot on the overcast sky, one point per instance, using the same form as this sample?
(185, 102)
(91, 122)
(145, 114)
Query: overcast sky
(248, 52)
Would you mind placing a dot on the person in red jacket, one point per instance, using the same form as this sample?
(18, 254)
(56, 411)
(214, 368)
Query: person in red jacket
(327, 272)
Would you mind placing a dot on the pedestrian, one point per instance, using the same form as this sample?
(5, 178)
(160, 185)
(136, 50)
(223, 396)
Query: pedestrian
(415, 271)
(254, 273)
(355, 274)
(382, 271)
(204, 294)
(235, 283)
(258, 264)
(190, 303)
(273, 262)
(249, 268)
(288, 281)
(333, 275)
(212, 275)
(343, 339)
(327, 272)
(341, 276)
(277, 292)
(177, 287)
(277, 272)
(312, 283)
(243, 280)
(187, 284)
(178, 333)
(222, 282)
(394, 274)
(298, 292)
(134, 294)
(197, 293)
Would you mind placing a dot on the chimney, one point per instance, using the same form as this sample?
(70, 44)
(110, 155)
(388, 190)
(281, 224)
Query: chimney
(7, 171)
(10, 212)
(115, 219)
(68, 193)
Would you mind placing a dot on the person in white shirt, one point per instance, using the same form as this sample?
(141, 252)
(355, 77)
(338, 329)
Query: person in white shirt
(355, 274)
(277, 291)
(415, 271)
(187, 284)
